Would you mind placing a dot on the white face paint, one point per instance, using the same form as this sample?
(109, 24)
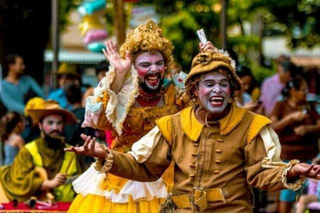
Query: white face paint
(214, 93)
(52, 125)
(151, 69)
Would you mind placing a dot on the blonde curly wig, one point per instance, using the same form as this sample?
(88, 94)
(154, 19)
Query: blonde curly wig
(148, 37)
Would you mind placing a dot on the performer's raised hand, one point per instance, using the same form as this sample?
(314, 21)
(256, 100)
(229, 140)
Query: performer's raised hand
(306, 170)
(122, 66)
(207, 47)
(89, 148)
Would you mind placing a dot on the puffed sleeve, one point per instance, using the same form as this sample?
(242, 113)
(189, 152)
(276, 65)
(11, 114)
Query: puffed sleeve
(106, 109)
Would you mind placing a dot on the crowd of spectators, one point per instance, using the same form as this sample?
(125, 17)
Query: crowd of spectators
(283, 98)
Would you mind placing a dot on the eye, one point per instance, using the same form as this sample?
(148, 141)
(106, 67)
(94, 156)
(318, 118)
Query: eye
(224, 84)
(160, 63)
(209, 84)
(144, 65)
(50, 122)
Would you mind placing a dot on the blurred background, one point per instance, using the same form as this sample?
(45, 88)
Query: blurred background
(256, 30)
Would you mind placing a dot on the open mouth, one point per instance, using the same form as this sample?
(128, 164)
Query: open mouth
(153, 79)
(216, 100)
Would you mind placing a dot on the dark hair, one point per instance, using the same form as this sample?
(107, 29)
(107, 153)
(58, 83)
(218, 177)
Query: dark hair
(73, 93)
(8, 122)
(288, 66)
(102, 66)
(294, 83)
(243, 71)
(11, 59)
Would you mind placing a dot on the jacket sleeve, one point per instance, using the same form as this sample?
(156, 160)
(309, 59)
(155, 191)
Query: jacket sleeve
(107, 110)
(264, 168)
(20, 180)
(147, 161)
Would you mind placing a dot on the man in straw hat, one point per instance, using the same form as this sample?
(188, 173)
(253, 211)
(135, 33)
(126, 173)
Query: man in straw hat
(126, 103)
(22, 180)
(219, 150)
(66, 74)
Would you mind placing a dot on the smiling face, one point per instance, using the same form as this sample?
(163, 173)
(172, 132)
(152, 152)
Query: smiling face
(214, 93)
(151, 68)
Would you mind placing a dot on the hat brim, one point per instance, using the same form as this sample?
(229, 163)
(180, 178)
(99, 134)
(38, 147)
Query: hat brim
(38, 114)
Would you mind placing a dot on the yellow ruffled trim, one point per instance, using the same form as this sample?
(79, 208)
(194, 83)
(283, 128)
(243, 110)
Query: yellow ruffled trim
(104, 166)
(298, 183)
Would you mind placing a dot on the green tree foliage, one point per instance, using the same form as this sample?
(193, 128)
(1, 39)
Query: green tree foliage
(298, 20)
(65, 6)
(180, 21)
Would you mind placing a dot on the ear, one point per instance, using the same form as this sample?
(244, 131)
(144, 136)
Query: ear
(195, 91)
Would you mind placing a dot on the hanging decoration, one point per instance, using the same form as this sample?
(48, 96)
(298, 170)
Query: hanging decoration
(93, 26)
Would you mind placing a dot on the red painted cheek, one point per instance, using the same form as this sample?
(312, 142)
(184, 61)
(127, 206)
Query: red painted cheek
(47, 128)
(162, 70)
(228, 91)
(203, 91)
(142, 72)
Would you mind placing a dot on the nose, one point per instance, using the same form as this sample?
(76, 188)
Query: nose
(55, 126)
(153, 67)
(216, 89)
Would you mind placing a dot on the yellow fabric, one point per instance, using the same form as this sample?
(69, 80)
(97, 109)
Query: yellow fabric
(69, 166)
(201, 197)
(229, 122)
(193, 128)
(256, 125)
(113, 183)
(168, 177)
(189, 123)
(165, 127)
(100, 204)
(255, 94)
(33, 103)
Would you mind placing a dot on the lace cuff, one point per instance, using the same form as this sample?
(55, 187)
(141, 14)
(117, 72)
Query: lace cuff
(104, 166)
(297, 183)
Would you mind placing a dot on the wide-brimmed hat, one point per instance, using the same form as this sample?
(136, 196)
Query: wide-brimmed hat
(50, 107)
(33, 103)
(209, 61)
(67, 69)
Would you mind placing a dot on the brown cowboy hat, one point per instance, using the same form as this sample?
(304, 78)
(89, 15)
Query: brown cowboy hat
(50, 108)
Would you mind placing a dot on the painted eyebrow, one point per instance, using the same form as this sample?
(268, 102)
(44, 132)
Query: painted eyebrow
(218, 81)
(147, 62)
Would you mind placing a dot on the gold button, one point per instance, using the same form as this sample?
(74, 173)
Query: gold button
(218, 150)
(220, 140)
(218, 161)
(191, 175)
(195, 144)
(195, 154)
(216, 171)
